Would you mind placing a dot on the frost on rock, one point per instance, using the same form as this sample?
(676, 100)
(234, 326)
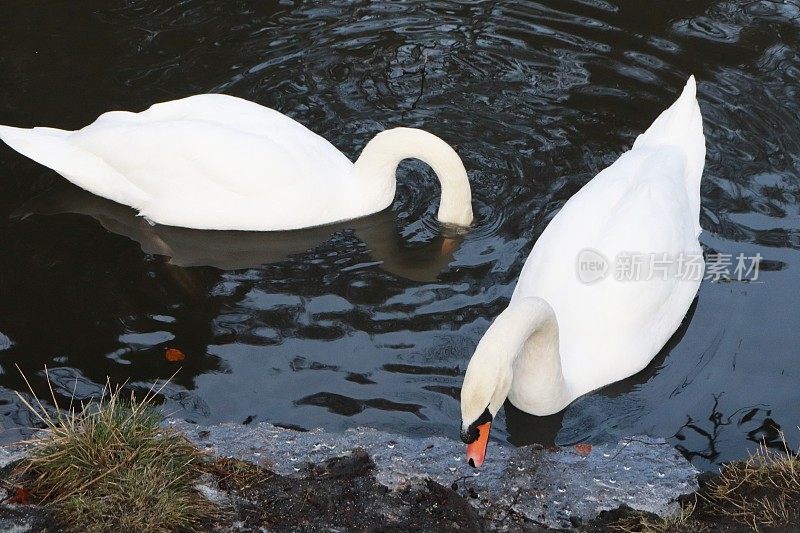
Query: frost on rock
(552, 488)
(5, 342)
(11, 453)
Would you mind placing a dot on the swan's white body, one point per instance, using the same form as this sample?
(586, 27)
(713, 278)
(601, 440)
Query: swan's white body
(219, 162)
(560, 338)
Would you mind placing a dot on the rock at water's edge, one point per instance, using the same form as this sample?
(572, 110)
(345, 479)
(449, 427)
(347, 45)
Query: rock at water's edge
(552, 488)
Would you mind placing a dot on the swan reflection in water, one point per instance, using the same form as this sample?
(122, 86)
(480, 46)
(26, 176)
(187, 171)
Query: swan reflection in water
(234, 250)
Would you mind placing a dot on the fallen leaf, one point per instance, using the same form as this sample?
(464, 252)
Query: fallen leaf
(21, 497)
(173, 355)
(583, 449)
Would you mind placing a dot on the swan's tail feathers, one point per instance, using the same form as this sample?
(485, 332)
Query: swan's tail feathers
(681, 125)
(51, 148)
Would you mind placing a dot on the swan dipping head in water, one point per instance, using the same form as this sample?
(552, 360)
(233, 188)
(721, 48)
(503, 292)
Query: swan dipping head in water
(218, 162)
(561, 337)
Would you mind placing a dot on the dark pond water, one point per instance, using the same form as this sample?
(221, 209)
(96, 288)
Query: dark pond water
(372, 322)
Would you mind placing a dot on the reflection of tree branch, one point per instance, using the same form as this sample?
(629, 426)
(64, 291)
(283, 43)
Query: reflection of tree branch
(422, 81)
(768, 434)
(711, 437)
(769, 428)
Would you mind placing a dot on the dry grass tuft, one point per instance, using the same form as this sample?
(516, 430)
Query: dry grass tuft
(238, 474)
(639, 522)
(109, 466)
(763, 491)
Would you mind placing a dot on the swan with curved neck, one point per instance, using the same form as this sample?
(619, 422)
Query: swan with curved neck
(566, 333)
(219, 162)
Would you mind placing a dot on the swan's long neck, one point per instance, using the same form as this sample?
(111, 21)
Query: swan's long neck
(539, 386)
(375, 170)
(517, 358)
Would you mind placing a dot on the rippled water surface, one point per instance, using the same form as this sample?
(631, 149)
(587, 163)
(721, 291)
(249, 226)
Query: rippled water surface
(372, 322)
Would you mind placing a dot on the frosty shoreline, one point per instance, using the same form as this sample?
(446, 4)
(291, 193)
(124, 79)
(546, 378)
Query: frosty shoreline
(551, 488)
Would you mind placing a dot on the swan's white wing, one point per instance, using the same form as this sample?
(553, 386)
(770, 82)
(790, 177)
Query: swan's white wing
(51, 148)
(681, 125)
(647, 202)
(207, 161)
(234, 143)
(612, 328)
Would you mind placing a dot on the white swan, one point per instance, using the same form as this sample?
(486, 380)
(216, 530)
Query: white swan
(214, 161)
(561, 338)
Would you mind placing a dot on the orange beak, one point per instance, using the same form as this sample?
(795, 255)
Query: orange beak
(476, 450)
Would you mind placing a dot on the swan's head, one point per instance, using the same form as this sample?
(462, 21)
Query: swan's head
(486, 386)
(523, 338)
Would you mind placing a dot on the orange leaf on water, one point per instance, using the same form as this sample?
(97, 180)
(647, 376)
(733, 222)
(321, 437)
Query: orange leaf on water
(583, 449)
(21, 497)
(173, 355)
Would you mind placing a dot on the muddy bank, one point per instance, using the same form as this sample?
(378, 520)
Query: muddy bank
(342, 494)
